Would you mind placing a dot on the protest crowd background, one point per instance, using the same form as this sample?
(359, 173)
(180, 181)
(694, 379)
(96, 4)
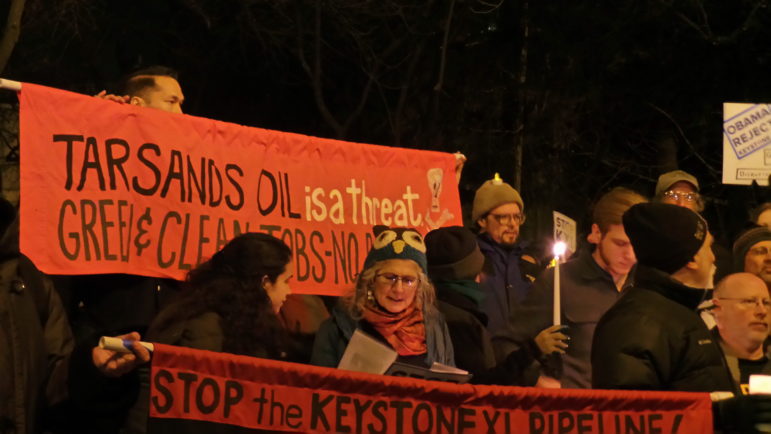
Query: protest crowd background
(585, 119)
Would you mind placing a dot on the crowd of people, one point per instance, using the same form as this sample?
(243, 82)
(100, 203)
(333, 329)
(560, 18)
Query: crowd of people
(638, 309)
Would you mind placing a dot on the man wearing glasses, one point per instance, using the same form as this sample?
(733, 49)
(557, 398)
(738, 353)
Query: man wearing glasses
(741, 310)
(509, 271)
(679, 188)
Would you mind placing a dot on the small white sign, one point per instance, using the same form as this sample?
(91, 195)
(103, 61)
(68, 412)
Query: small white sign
(565, 230)
(746, 140)
(760, 384)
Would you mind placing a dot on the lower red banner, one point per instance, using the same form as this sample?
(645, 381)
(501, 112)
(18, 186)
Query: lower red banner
(201, 391)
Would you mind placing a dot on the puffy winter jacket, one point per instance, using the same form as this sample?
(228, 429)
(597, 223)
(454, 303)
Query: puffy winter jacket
(653, 339)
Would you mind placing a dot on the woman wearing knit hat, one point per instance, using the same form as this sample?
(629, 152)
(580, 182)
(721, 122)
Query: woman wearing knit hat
(393, 300)
(454, 262)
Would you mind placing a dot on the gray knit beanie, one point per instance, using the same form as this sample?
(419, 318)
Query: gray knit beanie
(492, 194)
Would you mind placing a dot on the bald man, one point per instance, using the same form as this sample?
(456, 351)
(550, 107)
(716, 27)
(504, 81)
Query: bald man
(741, 311)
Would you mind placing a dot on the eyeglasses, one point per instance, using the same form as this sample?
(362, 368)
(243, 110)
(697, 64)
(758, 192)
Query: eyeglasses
(390, 279)
(677, 195)
(759, 251)
(750, 303)
(504, 219)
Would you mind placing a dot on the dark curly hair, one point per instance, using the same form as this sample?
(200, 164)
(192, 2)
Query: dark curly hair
(230, 284)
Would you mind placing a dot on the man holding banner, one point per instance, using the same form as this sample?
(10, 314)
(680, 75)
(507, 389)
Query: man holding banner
(153, 87)
(592, 283)
(102, 299)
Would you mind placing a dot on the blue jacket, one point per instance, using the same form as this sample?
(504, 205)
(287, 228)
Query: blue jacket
(503, 281)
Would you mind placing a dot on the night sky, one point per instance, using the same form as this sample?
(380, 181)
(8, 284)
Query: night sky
(596, 94)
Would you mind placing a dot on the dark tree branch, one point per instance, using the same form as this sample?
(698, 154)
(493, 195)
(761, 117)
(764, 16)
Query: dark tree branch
(706, 32)
(11, 32)
(519, 142)
(713, 171)
(443, 60)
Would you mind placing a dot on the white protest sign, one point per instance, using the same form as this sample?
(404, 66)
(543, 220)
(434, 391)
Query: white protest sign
(746, 136)
(565, 230)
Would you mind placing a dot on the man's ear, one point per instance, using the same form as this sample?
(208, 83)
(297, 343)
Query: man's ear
(266, 284)
(715, 306)
(692, 265)
(482, 222)
(138, 101)
(595, 236)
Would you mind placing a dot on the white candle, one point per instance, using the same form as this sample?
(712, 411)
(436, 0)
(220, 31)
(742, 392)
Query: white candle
(557, 307)
(559, 250)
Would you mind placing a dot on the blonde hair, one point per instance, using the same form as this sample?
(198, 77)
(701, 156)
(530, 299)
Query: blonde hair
(611, 207)
(354, 302)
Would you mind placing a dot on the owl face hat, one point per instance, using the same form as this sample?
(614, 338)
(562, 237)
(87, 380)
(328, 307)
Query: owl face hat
(396, 243)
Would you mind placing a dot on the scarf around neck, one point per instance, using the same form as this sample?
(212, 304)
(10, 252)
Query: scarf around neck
(405, 331)
(469, 288)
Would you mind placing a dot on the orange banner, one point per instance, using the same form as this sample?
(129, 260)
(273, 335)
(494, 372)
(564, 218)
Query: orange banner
(111, 188)
(192, 389)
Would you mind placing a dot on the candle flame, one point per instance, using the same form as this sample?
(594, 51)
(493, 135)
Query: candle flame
(559, 248)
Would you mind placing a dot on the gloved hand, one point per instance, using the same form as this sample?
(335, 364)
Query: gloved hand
(743, 414)
(553, 339)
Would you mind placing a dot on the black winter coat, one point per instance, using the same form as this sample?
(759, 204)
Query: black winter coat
(653, 339)
(472, 343)
(35, 347)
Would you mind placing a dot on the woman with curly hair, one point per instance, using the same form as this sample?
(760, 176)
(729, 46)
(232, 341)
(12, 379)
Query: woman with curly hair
(230, 302)
(393, 301)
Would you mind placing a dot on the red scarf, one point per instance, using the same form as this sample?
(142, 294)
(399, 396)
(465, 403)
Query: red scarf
(405, 331)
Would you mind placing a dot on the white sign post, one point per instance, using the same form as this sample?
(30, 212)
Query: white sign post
(564, 245)
(746, 140)
(565, 231)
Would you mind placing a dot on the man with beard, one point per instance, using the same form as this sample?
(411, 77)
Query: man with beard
(509, 271)
(752, 253)
(741, 307)
(591, 284)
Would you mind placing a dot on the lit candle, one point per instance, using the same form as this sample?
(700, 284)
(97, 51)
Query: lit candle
(559, 250)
